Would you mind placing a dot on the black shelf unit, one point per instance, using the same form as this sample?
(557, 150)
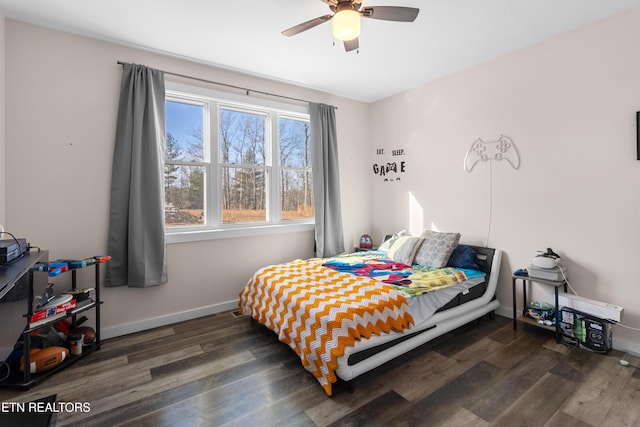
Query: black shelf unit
(525, 318)
(26, 379)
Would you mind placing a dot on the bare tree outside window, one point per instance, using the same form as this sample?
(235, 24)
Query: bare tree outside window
(295, 161)
(244, 172)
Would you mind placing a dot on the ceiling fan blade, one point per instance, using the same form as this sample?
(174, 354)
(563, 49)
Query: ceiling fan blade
(306, 25)
(350, 45)
(390, 13)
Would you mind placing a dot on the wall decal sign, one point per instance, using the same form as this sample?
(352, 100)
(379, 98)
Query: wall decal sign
(390, 170)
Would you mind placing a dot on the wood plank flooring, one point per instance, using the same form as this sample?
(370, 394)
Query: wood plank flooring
(224, 370)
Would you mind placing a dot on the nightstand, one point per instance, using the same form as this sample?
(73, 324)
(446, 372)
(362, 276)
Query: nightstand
(526, 319)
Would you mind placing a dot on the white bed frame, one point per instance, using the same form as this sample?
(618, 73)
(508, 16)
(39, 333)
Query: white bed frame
(437, 325)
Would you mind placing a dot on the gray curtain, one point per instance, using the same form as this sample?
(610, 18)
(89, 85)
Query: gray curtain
(136, 227)
(326, 180)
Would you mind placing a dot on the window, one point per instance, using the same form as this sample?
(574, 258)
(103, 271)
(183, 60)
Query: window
(234, 168)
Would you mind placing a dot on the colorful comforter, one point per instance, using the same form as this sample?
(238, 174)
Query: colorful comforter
(413, 280)
(318, 311)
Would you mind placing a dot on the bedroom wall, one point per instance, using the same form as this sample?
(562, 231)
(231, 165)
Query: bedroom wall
(569, 106)
(61, 101)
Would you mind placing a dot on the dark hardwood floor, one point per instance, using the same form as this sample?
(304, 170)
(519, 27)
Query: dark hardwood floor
(227, 370)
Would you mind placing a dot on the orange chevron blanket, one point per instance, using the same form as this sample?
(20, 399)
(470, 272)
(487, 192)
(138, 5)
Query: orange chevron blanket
(318, 311)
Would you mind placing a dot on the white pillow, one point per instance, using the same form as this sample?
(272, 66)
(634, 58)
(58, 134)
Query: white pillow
(404, 249)
(384, 247)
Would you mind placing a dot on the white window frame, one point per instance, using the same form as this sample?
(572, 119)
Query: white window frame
(214, 228)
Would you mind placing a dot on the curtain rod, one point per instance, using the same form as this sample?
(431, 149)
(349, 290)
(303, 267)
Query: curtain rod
(247, 90)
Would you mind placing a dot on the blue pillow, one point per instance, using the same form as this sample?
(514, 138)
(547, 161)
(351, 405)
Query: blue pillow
(463, 257)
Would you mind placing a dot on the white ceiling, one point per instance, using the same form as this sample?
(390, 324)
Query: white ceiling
(244, 35)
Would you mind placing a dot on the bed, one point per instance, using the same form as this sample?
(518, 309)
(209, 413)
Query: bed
(347, 315)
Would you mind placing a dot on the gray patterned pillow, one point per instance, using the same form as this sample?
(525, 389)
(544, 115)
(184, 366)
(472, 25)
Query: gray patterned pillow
(404, 248)
(436, 248)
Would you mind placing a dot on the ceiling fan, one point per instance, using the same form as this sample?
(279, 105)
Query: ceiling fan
(346, 19)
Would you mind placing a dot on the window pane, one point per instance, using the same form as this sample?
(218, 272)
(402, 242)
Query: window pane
(244, 195)
(295, 151)
(184, 123)
(296, 194)
(242, 138)
(184, 189)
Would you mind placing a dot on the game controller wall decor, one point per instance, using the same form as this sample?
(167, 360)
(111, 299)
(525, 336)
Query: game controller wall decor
(482, 151)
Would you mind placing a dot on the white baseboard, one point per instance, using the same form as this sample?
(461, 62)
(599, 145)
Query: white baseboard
(505, 312)
(623, 345)
(130, 328)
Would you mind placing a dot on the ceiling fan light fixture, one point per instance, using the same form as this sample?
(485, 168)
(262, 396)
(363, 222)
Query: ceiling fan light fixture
(346, 24)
